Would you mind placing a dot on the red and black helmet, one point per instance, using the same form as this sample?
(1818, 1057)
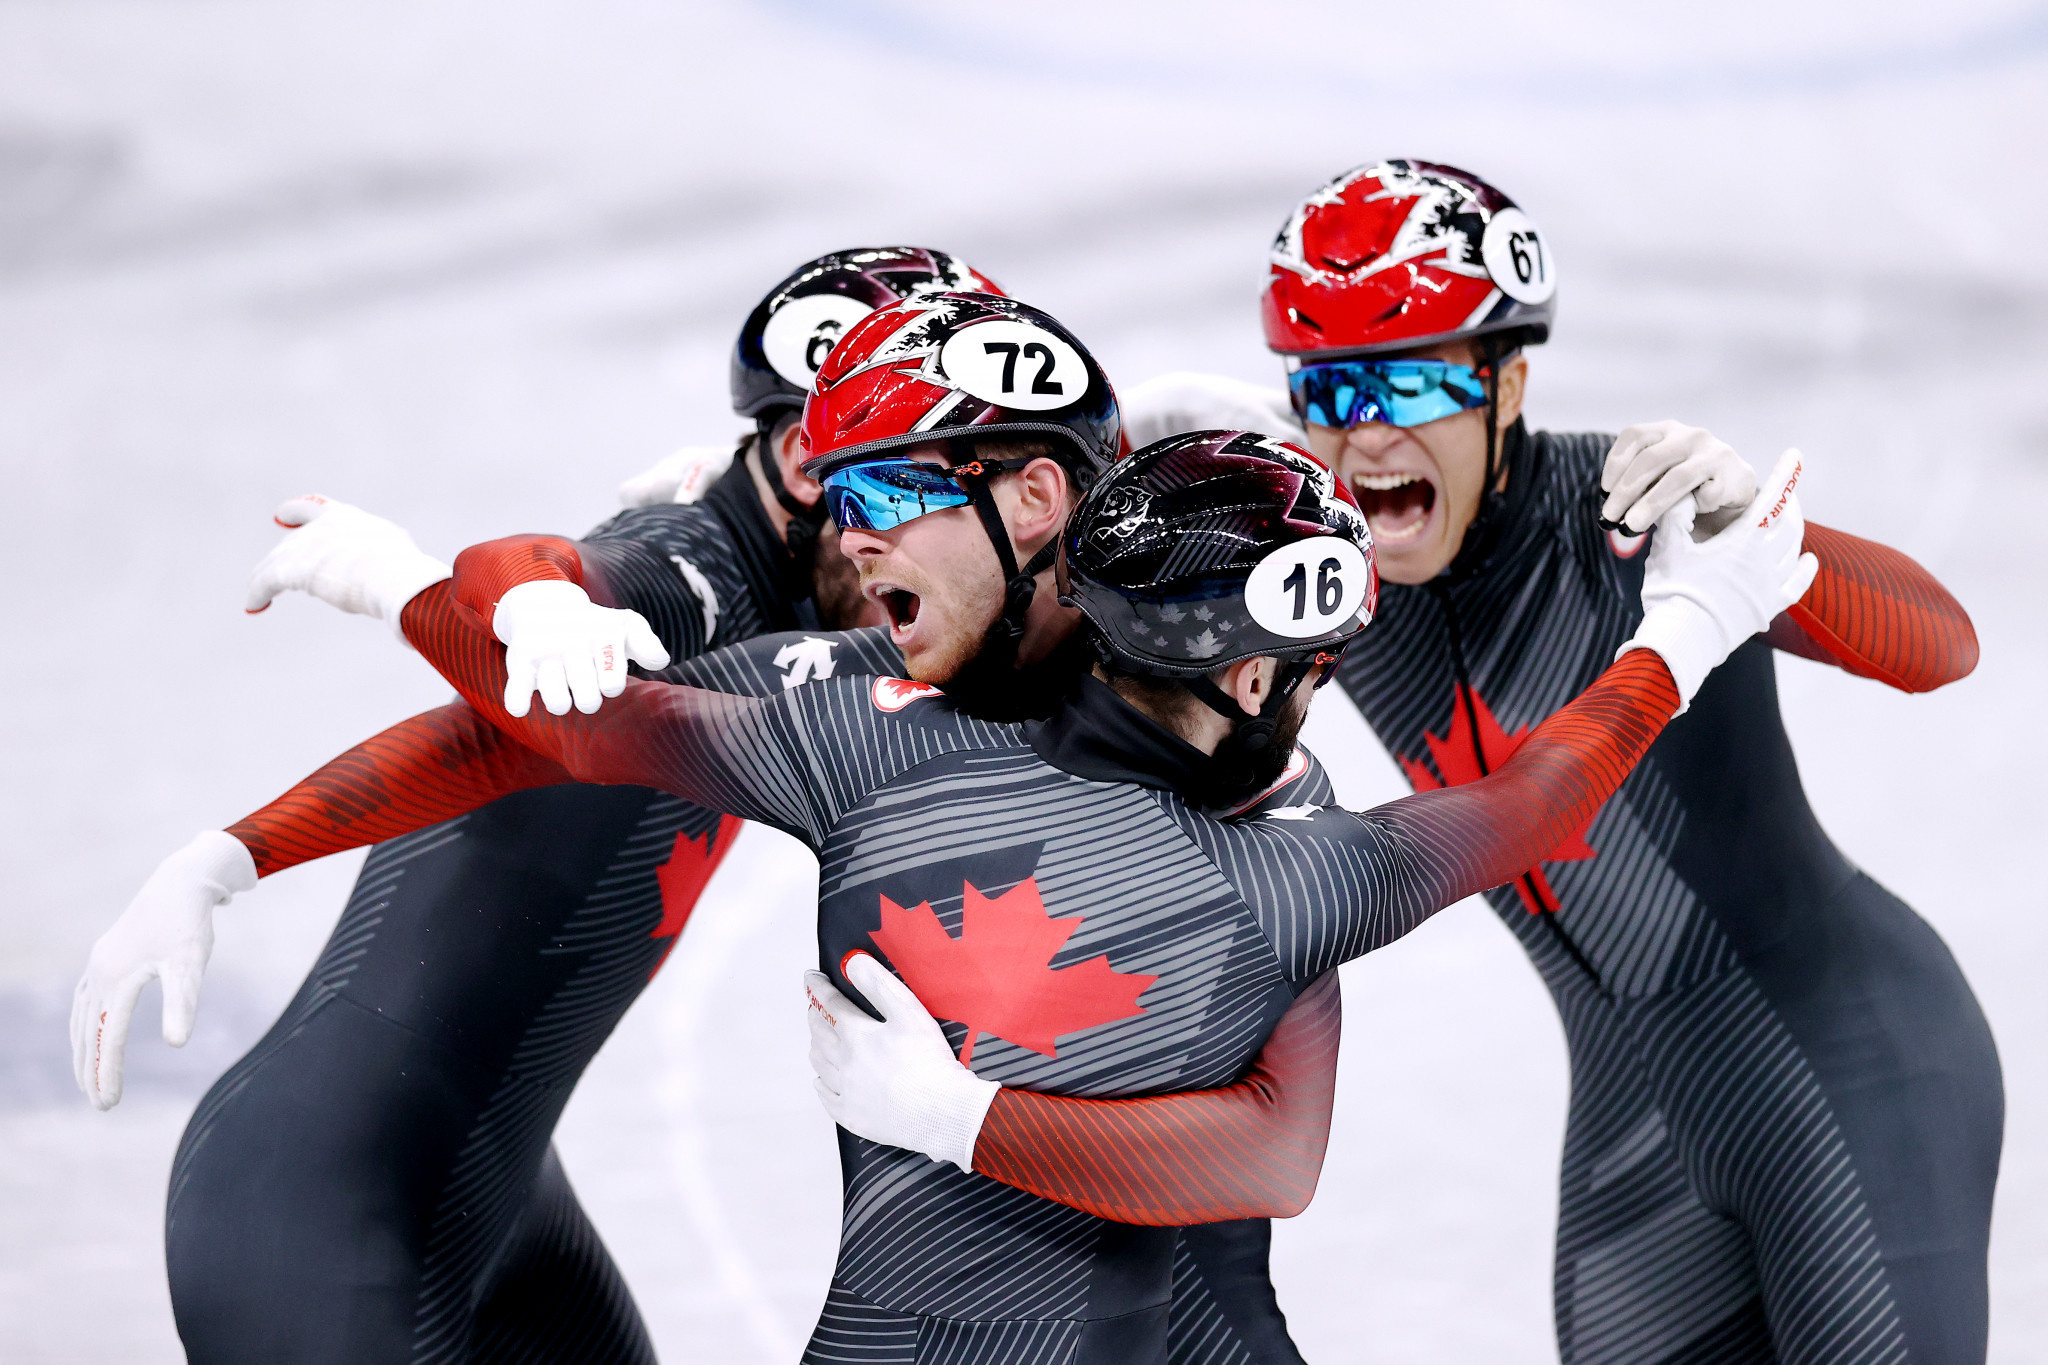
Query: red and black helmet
(1402, 254)
(790, 332)
(1215, 546)
(948, 367)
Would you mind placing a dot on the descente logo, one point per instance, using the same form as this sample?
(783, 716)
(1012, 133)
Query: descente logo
(1784, 496)
(893, 694)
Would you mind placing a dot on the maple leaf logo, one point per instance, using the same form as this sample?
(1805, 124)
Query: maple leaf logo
(690, 865)
(994, 978)
(1476, 746)
(893, 694)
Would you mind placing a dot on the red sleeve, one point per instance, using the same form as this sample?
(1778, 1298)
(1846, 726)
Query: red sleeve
(1249, 1150)
(418, 773)
(485, 573)
(1879, 615)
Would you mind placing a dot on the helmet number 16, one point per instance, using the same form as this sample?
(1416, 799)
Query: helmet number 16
(1329, 588)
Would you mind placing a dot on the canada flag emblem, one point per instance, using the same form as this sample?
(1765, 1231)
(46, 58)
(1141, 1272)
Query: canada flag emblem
(893, 694)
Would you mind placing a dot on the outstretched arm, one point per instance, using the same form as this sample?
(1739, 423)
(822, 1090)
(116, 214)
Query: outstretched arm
(723, 752)
(1877, 614)
(419, 772)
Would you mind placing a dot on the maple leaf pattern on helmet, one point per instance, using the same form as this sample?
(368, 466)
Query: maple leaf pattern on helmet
(1476, 746)
(690, 865)
(996, 978)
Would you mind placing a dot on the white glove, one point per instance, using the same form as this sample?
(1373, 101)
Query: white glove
(167, 932)
(896, 1082)
(1185, 401)
(1703, 598)
(561, 644)
(1655, 464)
(682, 477)
(346, 557)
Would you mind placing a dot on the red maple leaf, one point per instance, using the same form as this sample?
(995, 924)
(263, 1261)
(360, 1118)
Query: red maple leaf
(994, 978)
(690, 864)
(1460, 760)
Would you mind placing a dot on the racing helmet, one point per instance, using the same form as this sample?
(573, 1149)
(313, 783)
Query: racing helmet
(1401, 254)
(1215, 546)
(960, 366)
(795, 326)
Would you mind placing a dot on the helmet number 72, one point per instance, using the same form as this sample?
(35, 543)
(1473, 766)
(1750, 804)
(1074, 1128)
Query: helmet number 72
(1042, 382)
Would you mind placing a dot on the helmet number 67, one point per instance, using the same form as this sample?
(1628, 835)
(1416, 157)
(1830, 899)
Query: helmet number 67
(1525, 248)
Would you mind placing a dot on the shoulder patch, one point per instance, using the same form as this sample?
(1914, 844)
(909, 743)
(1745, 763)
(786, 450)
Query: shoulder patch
(893, 694)
(804, 660)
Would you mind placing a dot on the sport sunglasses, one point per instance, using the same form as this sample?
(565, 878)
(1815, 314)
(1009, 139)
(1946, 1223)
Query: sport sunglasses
(880, 495)
(1400, 393)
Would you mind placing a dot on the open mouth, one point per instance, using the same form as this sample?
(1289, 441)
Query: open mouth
(902, 606)
(1396, 506)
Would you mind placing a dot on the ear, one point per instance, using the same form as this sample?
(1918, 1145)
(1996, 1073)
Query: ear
(789, 459)
(1040, 510)
(1249, 682)
(1514, 378)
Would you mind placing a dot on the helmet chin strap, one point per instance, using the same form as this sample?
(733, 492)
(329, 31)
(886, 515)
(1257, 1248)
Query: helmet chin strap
(801, 535)
(1254, 732)
(1019, 585)
(1477, 542)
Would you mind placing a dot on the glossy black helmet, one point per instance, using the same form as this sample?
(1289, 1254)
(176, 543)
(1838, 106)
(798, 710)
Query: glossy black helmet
(791, 331)
(1215, 546)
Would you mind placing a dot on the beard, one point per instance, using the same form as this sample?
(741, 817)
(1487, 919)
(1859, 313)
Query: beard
(1236, 773)
(991, 686)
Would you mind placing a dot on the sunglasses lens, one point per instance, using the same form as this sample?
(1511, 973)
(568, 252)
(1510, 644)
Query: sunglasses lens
(883, 494)
(1399, 393)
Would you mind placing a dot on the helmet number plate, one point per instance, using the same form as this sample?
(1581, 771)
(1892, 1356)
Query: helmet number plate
(803, 332)
(1518, 257)
(1015, 365)
(1308, 588)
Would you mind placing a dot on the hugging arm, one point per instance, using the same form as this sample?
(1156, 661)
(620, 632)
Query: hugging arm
(1249, 1150)
(1876, 613)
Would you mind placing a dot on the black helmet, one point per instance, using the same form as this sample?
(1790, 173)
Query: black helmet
(1215, 546)
(793, 329)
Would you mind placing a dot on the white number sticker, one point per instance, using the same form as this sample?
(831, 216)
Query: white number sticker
(802, 332)
(1518, 257)
(1308, 588)
(1015, 365)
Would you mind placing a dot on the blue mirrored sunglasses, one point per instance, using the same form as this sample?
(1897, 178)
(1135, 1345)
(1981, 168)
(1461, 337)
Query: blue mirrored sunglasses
(1400, 393)
(880, 495)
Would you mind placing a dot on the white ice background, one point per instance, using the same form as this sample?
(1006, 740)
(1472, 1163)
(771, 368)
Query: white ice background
(470, 264)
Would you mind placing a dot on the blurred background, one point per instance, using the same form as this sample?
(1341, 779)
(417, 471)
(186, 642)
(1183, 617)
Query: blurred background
(471, 264)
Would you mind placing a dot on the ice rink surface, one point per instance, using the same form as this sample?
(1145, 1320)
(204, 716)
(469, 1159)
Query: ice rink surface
(471, 264)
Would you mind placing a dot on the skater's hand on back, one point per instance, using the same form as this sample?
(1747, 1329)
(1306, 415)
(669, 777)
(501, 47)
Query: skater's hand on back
(1652, 466)
(895, 1080)
(566, 647)
(681, 477)
(346, 557)
(1704, 596)
(166, 932)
